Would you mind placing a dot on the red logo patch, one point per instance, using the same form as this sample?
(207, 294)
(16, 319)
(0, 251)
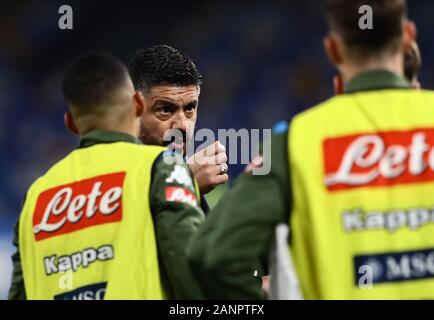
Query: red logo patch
(179, 194)
(78, 205)
(379, 159)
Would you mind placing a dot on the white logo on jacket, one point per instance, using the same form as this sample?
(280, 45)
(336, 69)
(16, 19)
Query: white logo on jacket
(180, 175)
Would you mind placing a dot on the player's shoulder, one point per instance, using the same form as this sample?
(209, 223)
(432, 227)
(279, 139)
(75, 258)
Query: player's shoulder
(170, 157)
(35, 185)
(143, 148)
(277, 140)
(273, 150)
(319, 110)
(424, 93)
(171, 167)
(50, 174)
(137, 152)
(279, 136)
(167, 161)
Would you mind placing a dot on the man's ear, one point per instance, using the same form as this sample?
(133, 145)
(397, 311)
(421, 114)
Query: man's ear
(331, 48)
(69, 123)
(338, 84)
(140, 103)
(410, 34)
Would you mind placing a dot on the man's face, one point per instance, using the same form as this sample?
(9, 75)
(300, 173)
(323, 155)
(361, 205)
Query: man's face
(169, 107)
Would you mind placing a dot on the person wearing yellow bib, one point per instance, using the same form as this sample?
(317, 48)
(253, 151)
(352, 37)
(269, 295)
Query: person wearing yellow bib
(113, 218)
(353, 177)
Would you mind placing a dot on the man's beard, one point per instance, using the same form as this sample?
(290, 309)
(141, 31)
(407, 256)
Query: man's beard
(176, 139)
(147, 138)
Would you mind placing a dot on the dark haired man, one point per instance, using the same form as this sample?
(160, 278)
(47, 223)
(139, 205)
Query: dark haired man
(353, 178)
(170, 83)
(97, 224)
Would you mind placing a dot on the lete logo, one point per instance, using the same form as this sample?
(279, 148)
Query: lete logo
(78, 205)
(384, 158)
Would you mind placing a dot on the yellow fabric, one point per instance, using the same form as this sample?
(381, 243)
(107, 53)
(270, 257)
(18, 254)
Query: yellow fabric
(133, 273)
(323, 250)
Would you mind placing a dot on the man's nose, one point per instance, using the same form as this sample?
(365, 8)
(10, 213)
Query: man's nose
(180, 122)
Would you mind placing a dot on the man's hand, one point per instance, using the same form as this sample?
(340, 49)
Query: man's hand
(208, 167)
(266, 281)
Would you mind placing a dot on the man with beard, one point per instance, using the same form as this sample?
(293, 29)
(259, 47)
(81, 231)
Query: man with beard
(170, 83)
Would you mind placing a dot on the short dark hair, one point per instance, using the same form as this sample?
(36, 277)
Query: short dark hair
(412, 62)
(162, 65)
(343, 17)
(93, 79)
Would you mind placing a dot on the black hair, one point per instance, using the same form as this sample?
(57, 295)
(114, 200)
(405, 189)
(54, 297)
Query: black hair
(343, 17)
(162, 65)
(93, 79)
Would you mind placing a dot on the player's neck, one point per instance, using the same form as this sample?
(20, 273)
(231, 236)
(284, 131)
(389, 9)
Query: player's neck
(392, 64)
(127, 128)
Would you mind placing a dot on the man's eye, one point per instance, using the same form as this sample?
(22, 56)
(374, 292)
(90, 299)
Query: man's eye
(164, 109)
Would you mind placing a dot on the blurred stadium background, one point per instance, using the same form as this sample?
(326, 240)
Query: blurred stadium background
(262, 61)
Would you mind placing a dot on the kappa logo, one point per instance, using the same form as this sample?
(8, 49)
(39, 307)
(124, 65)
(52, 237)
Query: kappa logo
(84, 258)
(390, 220)
(78, 205)
(178, 194)
(180, 175)
(379, 159)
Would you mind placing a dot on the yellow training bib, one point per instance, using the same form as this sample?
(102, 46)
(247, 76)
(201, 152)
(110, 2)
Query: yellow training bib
(86, 230)
(362, 178)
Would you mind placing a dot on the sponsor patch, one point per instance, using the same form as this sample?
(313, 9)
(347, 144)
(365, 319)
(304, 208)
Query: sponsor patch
(90, 292)
(379, 159)
(84, 258)
(179, 194)
(397, 266)
(78, 205)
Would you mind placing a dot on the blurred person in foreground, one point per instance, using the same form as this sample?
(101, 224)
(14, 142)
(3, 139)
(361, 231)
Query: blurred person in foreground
(353, 178)
(112, 218)
(171, 83)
